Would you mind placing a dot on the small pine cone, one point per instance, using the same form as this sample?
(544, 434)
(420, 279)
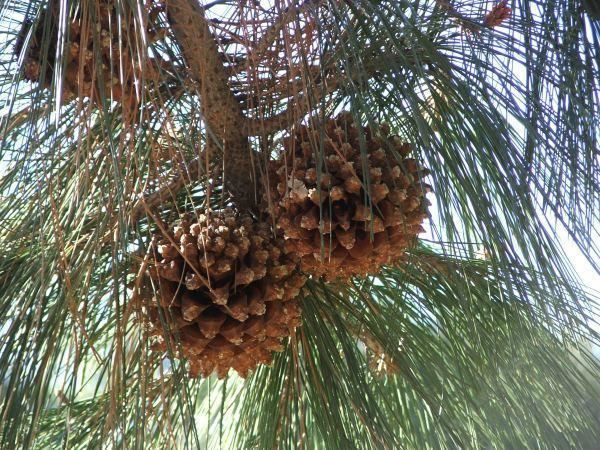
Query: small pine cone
(233, 312)
(115, 65)
(359, 213)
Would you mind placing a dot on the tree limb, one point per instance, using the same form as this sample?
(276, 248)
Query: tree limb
(498, 14)
(301, 104)
(223, 115)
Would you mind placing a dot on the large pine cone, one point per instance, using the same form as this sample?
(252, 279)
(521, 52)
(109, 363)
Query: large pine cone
(226, 290)
(96, 67)
(360, 212)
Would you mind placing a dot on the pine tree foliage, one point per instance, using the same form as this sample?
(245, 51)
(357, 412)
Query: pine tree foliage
(115, 124)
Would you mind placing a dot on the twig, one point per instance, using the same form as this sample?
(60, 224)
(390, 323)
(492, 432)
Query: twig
(375, 347)
(498, 14)
(189, 172)
(270, 36)
(16, 120)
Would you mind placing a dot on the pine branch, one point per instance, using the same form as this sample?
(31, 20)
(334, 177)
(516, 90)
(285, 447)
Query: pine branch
(376, 347)
(299, 107)
(223, 115)
(18, 119)
(498, 14)
(303, 103)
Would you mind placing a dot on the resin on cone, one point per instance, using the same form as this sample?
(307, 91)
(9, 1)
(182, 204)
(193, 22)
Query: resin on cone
(226, 293)
(95, 63)
(361, 210)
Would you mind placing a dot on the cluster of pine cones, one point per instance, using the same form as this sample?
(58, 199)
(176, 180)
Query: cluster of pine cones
(340, 201)
(99, 67)
(228, 285)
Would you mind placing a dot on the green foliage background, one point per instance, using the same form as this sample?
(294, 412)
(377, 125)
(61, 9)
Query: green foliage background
(492, 352)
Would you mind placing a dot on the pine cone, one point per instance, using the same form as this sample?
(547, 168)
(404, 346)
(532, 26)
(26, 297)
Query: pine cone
(226, 289)
(358, 213)
(109, 71)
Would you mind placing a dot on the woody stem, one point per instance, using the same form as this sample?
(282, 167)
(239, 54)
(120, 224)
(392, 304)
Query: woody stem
(223, 115)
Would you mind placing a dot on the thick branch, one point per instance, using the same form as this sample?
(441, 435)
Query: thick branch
(263, 47)
(298, 107)
(223, 115)
(301, 104)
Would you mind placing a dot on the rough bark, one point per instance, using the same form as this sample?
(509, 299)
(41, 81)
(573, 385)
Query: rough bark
(222, 113)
